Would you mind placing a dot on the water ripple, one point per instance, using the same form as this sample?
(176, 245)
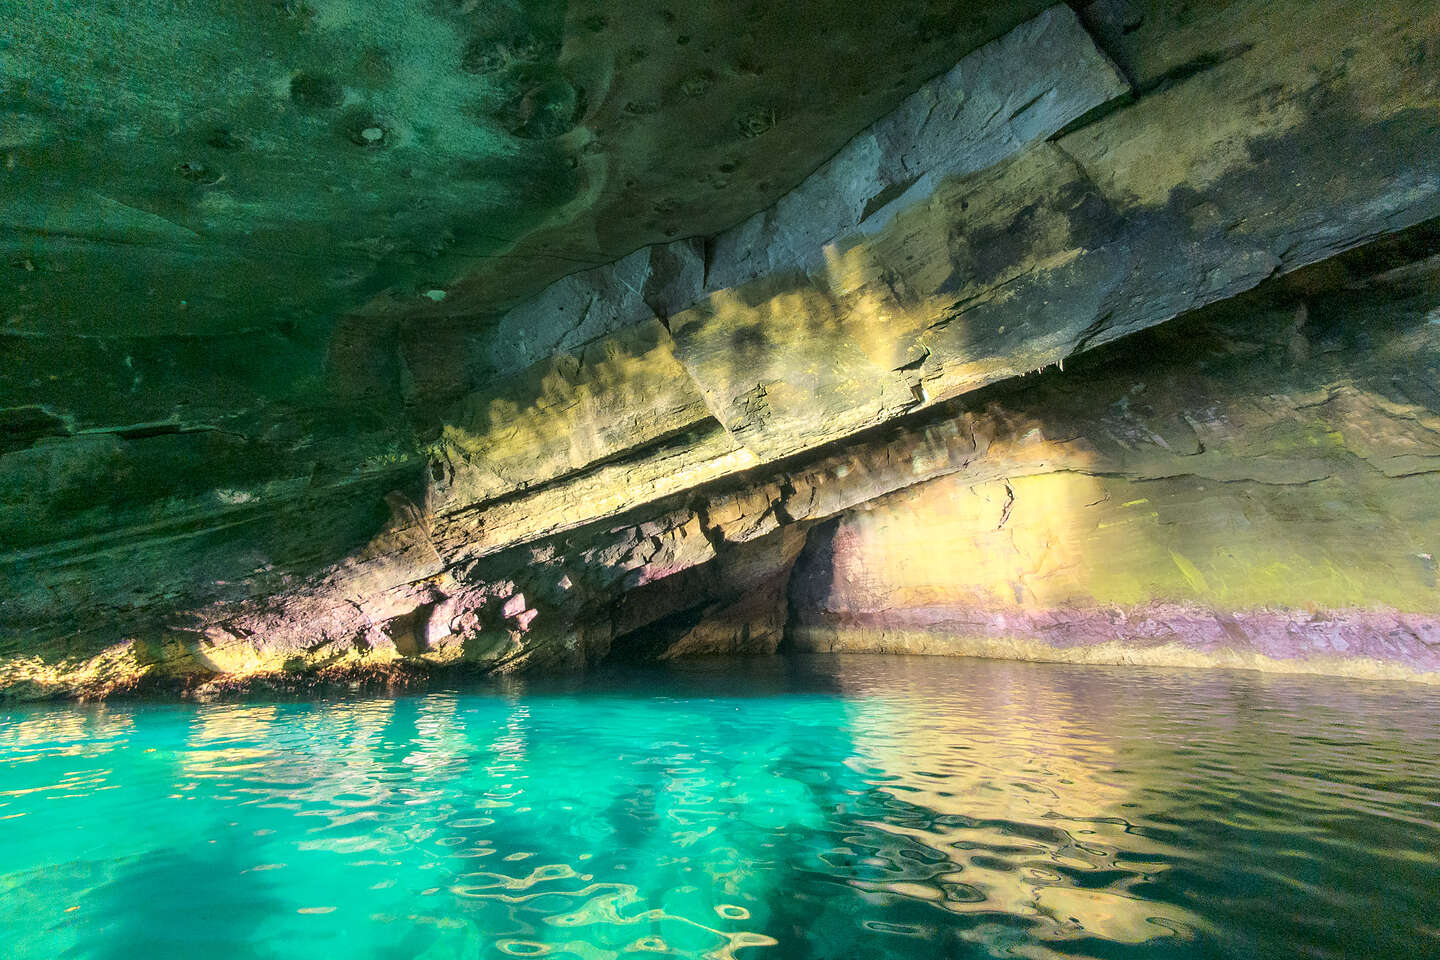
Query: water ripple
(876, 807)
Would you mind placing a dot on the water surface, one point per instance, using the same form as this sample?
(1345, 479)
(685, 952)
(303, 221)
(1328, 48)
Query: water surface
(819, 807)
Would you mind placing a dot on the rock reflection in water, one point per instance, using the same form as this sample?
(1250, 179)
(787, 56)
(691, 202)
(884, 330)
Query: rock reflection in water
(1013, 791)
(818, 807)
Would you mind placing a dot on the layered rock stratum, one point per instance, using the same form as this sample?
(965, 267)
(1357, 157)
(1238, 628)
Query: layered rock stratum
(1116, 341)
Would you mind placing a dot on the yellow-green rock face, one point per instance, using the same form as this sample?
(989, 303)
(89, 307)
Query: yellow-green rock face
(1256, 486)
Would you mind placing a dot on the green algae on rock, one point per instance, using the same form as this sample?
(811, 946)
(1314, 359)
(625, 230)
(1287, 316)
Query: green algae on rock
(306, 407)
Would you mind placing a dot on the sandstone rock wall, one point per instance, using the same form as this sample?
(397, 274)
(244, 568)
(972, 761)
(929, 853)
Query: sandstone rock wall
(1253, 486)
(970, 238)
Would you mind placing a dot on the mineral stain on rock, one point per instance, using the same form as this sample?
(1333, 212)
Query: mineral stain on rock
(477, 336)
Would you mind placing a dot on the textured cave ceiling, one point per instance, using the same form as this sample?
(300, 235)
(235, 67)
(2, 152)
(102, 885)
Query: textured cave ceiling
(214, 168)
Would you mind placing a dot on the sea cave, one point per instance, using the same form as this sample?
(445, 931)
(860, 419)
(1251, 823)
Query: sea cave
(776, 480)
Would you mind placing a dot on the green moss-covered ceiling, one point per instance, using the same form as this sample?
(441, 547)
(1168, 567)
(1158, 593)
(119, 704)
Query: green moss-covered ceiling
(218, 168)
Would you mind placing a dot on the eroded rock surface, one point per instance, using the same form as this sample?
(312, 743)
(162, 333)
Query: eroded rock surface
(680, 451)
(1263, 497)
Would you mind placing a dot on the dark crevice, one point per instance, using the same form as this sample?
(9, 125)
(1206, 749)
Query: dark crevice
(802, 585)
(680, 439)
(1194, 67)
(21, 427)
(1028, 104)
(646, 644)
(707, 255)
(1091, 332)
(787, 490)
(895, 190)
(1094, 115)
(146, 431)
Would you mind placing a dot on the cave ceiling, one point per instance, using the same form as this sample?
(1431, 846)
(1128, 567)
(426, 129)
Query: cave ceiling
(260, 169)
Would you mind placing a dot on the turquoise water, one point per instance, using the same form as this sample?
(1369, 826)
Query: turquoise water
(851, 807)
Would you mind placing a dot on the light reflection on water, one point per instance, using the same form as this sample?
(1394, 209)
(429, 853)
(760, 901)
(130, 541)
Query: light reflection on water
(823, 807)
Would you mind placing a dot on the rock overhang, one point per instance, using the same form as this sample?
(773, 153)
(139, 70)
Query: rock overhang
(927, 259)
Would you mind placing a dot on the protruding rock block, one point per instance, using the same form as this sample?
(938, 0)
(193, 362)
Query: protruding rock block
(565, 413)
(586, 306)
